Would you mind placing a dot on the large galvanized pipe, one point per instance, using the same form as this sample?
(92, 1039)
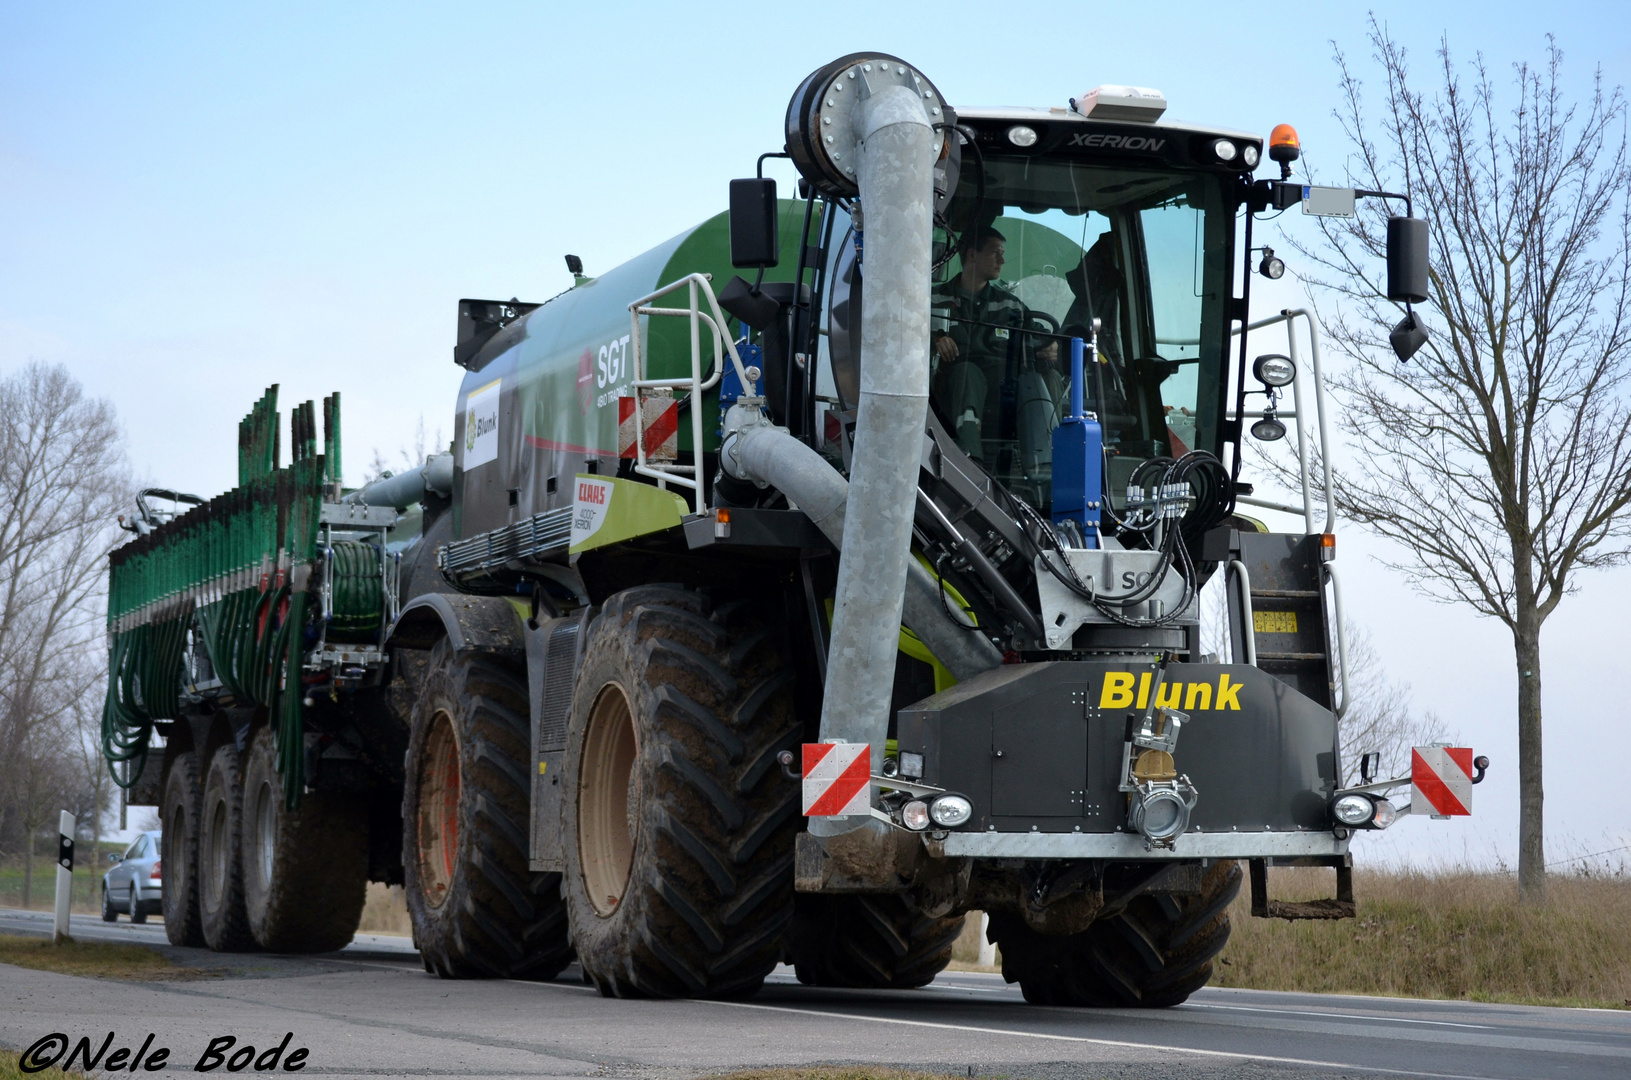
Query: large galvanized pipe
(404, 489)
(770, 455)
(895, 174)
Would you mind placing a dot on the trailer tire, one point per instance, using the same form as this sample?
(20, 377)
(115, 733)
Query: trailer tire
(178, 900)
(869, 942)
(678, 825)
(305, 870)
(220, 856)
(478, 909)
(1152, 954)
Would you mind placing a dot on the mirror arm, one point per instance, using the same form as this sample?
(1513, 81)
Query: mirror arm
(1409, 210)
(760, 170)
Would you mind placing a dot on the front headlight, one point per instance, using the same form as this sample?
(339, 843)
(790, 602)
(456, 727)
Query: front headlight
(951, 811)
(915, 815)
(1225, 150)
(1385, 814)
(1353, 810)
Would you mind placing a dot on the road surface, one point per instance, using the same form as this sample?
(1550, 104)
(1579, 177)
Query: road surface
(371, 1010)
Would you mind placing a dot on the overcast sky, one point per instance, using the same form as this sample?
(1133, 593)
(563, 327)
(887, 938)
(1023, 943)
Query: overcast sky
(199, 200)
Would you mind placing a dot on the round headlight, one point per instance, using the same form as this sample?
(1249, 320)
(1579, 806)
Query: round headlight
(951, 810)
(1353, 810)
(1225, 150)
(1385, 814)
(1272, 267)
(1268, 429)
(1020, 135)
(1274, 370)
(915, 815)
(1249, 156)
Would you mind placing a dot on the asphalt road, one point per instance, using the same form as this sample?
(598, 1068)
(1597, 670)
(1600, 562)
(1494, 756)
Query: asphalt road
(371, 1010)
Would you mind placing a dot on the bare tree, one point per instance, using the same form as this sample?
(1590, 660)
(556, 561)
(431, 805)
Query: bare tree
(423, 448)
(1499, 458)
(61, 479)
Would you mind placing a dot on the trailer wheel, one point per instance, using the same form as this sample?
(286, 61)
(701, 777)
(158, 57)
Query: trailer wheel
(678, 825)
(305, 870)
(478, 910)
(178, 900)
(220, 856)
(1152, 954)
(869, 942)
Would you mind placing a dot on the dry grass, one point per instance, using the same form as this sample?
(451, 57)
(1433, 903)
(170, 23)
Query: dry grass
(11, 1069)
(1451, 935)
(386, 911)
(94, 958)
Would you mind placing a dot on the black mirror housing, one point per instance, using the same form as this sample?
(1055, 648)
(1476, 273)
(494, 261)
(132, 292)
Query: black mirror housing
(754, 242)
(1407, 260)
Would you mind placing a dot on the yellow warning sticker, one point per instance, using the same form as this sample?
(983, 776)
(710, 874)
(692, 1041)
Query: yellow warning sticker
(542, 765)
(1274, 622)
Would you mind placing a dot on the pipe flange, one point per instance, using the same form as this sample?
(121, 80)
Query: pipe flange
(822, 118)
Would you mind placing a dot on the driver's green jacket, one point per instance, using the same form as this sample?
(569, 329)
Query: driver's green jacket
(968, 389)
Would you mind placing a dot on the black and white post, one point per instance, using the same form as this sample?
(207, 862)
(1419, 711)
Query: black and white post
(65, 874)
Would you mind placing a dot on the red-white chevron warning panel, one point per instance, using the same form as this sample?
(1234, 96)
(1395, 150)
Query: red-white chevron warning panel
(659, 421)
(837, 778)
(1441, 780)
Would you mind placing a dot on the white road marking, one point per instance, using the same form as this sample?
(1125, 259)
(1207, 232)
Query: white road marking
(1340, 1016)
(1084, 1039)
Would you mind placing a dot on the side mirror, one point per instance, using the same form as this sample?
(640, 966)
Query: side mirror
(1407, 260)
(753, 224)
(115, 857)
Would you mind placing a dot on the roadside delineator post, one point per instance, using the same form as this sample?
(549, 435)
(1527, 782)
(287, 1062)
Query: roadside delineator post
(65, 875)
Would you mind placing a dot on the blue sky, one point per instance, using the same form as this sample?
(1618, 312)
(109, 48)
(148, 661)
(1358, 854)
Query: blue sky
(199, 200)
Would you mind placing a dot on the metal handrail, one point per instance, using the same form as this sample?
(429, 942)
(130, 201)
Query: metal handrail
(1243, 578)
(690, 476)
(1342, 635)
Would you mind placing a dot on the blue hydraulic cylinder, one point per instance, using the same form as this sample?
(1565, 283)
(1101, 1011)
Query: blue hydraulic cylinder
(1078, 459)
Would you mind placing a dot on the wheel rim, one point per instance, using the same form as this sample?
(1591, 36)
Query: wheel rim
(265, 831)
(438, 824)
(608, 800)
(215, 880)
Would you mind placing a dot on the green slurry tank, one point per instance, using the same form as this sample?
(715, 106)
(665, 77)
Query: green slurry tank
(824, 574)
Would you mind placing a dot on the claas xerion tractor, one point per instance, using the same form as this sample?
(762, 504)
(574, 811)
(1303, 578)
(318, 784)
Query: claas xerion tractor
(789, 616)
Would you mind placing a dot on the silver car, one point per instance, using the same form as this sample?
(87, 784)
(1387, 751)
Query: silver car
(134, 885)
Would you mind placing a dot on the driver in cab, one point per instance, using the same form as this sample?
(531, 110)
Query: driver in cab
(973, 326)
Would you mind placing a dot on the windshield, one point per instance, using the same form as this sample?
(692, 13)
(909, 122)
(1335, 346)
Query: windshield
(1049, 247)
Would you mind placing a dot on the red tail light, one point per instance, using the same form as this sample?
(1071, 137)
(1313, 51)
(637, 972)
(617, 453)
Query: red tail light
(154, 875)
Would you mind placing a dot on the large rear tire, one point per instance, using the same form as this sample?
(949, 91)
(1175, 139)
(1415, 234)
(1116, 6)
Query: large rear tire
(869, 942)
(478, 910)
(678, 826)
(1152, 954)
(183, 797)
(305, 870)
(220, 856)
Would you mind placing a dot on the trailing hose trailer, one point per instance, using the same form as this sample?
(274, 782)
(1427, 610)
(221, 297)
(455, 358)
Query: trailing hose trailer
(791, 615)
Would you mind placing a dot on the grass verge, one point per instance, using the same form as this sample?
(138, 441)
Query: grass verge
(11, 1069)
(95, 958)
(1449, 935)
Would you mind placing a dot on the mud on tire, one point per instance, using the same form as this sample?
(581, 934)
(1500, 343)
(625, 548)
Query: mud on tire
(477, 908)
(872, 942)
(183, 797)
(220, 855)
(1152, 954)
(305, 870)
(678, 824)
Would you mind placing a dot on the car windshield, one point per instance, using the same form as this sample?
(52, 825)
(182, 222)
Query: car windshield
(1030, 262)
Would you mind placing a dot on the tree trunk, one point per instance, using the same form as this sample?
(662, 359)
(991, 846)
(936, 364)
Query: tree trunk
(28, 869)
(1531, 796)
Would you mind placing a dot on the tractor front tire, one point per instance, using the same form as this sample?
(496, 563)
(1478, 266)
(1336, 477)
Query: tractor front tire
(305, 870)
(1152, 954)
(869, 942)
(183, 800)
(478, 909)
(220, 856)
(678, 825)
